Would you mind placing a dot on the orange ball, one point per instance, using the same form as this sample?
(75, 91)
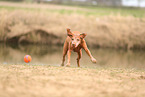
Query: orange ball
(27, 58)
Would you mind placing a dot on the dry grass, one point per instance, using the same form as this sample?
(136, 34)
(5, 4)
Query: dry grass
(105, 31)
(44, 81)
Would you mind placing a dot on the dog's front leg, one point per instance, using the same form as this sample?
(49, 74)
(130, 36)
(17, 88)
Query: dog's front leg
(68, 60)
(88, 52)
(65, 49)
(79, 57)
(90, 55)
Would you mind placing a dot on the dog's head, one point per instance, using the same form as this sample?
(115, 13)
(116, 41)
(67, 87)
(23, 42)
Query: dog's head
(75, 38)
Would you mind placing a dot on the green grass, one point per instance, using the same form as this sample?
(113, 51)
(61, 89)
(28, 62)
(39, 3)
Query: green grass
(125, 11)
(86, 11)
(11, 8)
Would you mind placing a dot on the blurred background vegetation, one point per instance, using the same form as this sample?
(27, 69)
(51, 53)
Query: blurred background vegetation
(131, 3)
(108, 23)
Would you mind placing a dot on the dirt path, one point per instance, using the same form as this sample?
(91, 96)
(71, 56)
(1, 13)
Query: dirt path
(48, 81)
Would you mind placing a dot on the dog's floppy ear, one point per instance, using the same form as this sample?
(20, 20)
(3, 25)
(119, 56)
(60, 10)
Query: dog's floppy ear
(69, 33)
(83, 35)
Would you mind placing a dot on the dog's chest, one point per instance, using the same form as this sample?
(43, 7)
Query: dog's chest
(77, 49)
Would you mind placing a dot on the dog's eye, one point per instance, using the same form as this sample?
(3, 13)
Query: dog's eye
(72, 39)
(78, 40)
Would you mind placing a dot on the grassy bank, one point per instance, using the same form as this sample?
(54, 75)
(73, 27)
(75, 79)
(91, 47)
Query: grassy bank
(41, 23)
(41, 81)
(80, 10)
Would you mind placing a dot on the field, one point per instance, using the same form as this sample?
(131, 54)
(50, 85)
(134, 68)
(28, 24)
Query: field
(44, 81)
(106, 27)
(46, 24)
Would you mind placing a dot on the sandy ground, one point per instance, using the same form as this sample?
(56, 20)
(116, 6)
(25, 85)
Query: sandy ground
(49, 81)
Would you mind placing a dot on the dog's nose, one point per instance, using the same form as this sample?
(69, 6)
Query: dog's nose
(73, 44)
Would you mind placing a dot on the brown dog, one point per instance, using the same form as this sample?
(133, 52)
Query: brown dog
(75, 42)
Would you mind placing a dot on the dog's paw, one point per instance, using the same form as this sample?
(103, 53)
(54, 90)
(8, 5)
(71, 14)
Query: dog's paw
(67, 65)
(93, 60)
(62, 64)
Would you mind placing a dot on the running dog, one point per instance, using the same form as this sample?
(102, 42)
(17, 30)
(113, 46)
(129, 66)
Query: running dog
(75, 42)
